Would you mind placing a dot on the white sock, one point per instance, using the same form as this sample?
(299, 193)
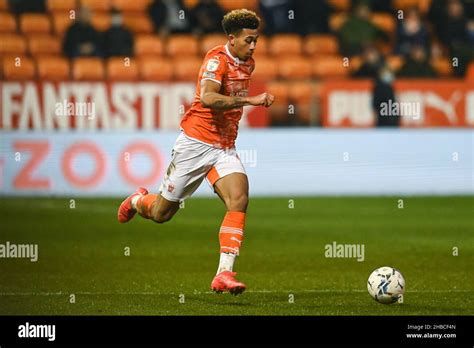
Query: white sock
(226, 262)
(135, 200)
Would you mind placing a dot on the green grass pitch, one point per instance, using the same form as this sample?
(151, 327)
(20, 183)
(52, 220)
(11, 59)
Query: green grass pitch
(170, 266)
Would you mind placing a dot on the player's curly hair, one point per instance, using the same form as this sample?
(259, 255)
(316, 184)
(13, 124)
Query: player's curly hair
(236, 20)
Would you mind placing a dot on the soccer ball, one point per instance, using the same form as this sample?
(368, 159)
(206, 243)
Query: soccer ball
(386, 285)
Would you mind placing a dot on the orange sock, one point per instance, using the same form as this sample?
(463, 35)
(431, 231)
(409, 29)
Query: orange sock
(144, 205)
(231, 233)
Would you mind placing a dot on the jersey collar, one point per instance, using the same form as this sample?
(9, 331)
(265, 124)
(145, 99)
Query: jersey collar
(236, 59)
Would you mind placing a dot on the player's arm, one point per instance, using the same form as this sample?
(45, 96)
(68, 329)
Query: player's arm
(211, 98)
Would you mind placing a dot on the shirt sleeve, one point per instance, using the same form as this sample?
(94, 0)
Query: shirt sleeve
(214, 69)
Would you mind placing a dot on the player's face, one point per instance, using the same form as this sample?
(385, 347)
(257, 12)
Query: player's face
(244, 43)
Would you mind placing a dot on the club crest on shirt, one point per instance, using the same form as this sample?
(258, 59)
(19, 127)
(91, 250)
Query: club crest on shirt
(212, 65)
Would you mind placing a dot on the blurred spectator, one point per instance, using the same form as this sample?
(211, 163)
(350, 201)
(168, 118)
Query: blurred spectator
(417, 65)
(383, 96)
(275, 15)
(380, 6)
(81, 39)
(25, 6)
(358, 31)
(453, 31)
(312, 16)
(170, 17)
(411, 31)
(207, 15)
(118, 40)
(372, 62)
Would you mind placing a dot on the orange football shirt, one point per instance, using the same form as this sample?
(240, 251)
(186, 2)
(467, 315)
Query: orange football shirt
(219, 127)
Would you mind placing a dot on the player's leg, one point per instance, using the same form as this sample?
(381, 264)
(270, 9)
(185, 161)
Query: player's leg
(156, 207)
(231, 184)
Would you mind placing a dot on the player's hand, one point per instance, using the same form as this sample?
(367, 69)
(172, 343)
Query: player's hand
(264, 99)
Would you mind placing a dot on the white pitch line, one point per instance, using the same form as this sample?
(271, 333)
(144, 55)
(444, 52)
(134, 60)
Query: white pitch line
(86, 293)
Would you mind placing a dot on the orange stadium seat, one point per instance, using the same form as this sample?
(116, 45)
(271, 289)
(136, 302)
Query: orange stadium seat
(384, 21)
(341, 5)
(146, 45)
(7, 23)
(262, 47)
(131, 6)
(155, 69)
(88, 68)
(329, 67)
(295, 67)
(470, 72)
(395, 62)
(321, 44)
(190, 3)
(35, 23)
(97, 5)
(422, 5)
(101, 21)
(210, 41)
(12, 43)
(302, 93)
(336, 21)
(61, 5)
(139, 23)
(121, 69)
(265, 69)
(280, 89)
(18, 68)
(443, 66)
(286, 44)
(3, 5)
(52, 68)
(61, 22)
(229, 5)
(44, 45)
(178, 45)
(187, 68)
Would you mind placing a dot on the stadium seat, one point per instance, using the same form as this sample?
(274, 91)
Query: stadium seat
(229, 5)
(44, 45)
(187, 69)
(301, 94)
(329, 67)
(179, 45)
(422, 5)
(190, 3)
(97, 6)
(88, 68)
(101, 21)
(294, 67)
(35, 23)
(210, 41)
(52, 68)
(61, 5)
(265, 69)
(443, 66)
(279, 110)
(341, 5)
(155, 69)
(262, 47)
(321, 44)
(61, 22)
(384, 21)
(470, 72)
(127, 6)
(146, 45)
(336, 21)
(121, 69)
(395, 62)
(139, 23)
(7, 23)
(286, 45)
(3, 5)
(12, 44)
(18, 68)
